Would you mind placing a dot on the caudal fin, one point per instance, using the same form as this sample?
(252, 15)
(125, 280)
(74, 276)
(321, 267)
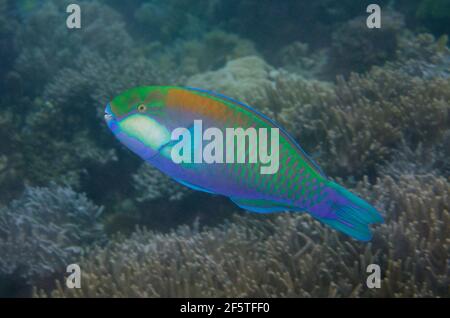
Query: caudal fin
(353, 215)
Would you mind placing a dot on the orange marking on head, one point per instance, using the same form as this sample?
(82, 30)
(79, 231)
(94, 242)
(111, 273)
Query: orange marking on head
(192, 102)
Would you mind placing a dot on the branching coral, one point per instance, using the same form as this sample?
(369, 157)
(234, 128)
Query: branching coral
(423, 56)
(288, 255)
(48, 45)
(432, 159)
(57, 144)
(44, 231)
(359, 124)
(94, 80)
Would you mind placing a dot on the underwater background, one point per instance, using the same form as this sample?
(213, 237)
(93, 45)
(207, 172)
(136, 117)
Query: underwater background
(371, 106)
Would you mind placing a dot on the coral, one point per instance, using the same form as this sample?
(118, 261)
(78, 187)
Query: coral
(423, 56)
(360, 122)
(288, 255)
(47, 45)
(241, 78)
(384, 132)
(356, 48)
(151, 184)
(297, 57)
(94, 80)
(350, 127)
(158, 202)
(44, 231)
(210, 52)
(11, 159)
(420, 161)
(57, 144)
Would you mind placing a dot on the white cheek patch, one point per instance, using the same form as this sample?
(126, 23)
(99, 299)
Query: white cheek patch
(146, 130)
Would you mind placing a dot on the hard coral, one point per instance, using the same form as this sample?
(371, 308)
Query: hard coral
(360, 123)
(287, 255)
(240, 78)
(48, 45)
(44, 231)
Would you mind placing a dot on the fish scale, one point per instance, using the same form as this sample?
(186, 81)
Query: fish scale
(298, 185)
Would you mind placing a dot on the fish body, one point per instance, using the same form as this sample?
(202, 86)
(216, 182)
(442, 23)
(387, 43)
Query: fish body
(145, 118)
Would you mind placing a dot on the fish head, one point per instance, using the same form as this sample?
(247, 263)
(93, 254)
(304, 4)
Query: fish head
(136, 118)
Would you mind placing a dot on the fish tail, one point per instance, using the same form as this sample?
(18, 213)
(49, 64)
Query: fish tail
(350, 214)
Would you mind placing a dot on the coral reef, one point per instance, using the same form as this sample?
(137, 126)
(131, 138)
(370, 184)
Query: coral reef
(286, 255)
(44, 231)
(358, 124)
(371, 106)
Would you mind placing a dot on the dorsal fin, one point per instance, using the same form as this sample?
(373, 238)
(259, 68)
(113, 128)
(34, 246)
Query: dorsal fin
(225, 98)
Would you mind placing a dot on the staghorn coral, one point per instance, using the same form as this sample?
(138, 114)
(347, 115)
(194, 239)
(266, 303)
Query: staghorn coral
(288, 255)
(421, 160)
(359, 123)
(44, 231)
(423, 56)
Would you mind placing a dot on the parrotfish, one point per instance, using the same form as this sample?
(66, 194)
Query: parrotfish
(144, 119)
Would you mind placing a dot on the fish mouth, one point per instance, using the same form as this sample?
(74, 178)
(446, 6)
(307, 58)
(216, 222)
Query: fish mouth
(108, 114)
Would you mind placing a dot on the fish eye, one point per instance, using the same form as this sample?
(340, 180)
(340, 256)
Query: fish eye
(141, 108)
